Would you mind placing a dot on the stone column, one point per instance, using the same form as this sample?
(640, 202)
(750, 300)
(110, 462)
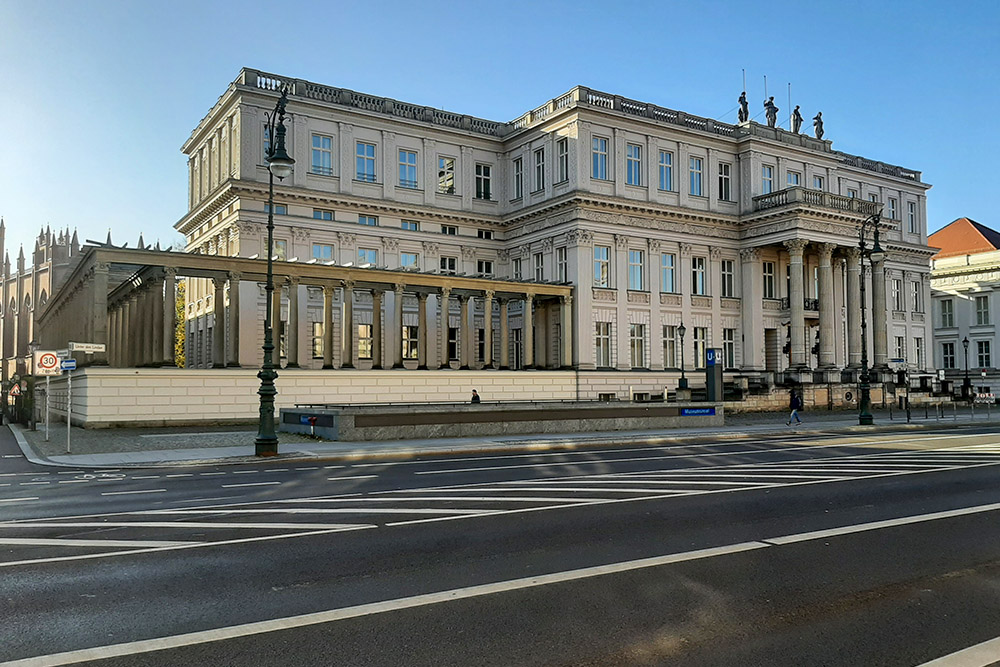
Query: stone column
(234, 320)
(292, 328)
(504, 336)
(347, 322)
(854, 307)
(219, 326)
(879, 321)
(115, 337)
(276, 323)
(397, 316)
(135, 319)
(327, 326)
(422, 331)
(157, 322)
(488, 328)
(464, 332)
(796, 304)
(99, 313)
(445, 300)
(169, 316)
(566, 328)
(125, 338)
(827, 315)
(528, 332)
(376, 329)
(752, 304)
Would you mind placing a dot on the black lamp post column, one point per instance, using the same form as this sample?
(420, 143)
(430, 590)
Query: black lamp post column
(279, 164)
(683, 383)
(966, 383)
(876, 254)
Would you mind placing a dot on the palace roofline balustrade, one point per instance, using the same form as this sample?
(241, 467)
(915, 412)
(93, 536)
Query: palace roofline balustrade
(816, 198)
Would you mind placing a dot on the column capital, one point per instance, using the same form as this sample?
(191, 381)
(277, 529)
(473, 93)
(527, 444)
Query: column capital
(377, 292)
(293, 281)
(826, 251)
(566, 299)
(446, 292)
(399, 287)
(219, 281)
(748, 255)
(796, 247)
(169, 272)
(422, 296)
(489, 294)
(853, 256)
(621, 241)
(328, 291)
(235, 276)
(654, 245)
(685, 249)
(462, 298)
(346, 284)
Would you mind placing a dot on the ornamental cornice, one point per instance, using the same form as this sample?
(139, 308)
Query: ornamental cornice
(468, 252)
(389, 244)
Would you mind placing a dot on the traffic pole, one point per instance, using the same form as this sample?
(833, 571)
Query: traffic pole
(69, 407)
(48, 397)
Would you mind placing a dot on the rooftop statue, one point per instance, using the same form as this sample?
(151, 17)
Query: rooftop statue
(744, 112)
(771, 111)
(796, 120)
(818, 124)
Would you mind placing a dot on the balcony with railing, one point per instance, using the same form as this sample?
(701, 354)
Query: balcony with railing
(810, 305)
(815, 198)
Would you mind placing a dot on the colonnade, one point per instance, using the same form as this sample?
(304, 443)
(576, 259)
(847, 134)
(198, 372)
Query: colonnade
(142, 321)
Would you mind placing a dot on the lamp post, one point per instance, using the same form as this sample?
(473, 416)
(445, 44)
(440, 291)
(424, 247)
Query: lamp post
(683, 384)
(966, 383)
(876, 254)
(278, 164)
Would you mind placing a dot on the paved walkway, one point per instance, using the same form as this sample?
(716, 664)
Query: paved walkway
(166, 446)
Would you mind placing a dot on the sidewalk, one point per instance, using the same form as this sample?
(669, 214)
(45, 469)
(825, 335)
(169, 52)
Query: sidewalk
(186, 445)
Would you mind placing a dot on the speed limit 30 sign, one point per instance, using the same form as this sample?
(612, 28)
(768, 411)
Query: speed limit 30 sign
(46, 363)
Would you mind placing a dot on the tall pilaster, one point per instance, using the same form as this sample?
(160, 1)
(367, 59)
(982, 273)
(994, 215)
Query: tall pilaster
(276, 323)
(566, 329)
(234, 320)
(796, 304)
(328, 326)
(377, 329)
(528, 331)
(854, 307)
(752, 304)
(464, 331)
(157, 322)
(99, 312)
(125, 345)
(879, 320)
(397, 316)
(488, 328)
(219, 326)
(422, 331)
(445, 301)
(347, 320)
(169, 316)
(827, 315)
(504, 335)
(292, 328)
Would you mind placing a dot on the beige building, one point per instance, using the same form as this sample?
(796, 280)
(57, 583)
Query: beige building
(745, 234)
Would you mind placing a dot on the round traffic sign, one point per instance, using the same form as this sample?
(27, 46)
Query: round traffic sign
(48, 361)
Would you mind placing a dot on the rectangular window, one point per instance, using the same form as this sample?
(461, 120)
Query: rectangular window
(562, 153)
(982, 309)
(410, 225)
(911, 217)
(561, 265)
(635, 270)
(539, 262)
(766, 179)
(891, 208)
(281, 250)
(901, 347)
(897, 295)
(700, 343)
(633, 164)
(409, 259)
(450, 230)
(602, 266)
(484, 180)
(266, 137)
(518, 178)
(407, 169)
(695, 164)
(484, 233)
(873, 198)
(368, 256)
(366, 162)
(317, 340)
(364, 341)
(668, 277)
(599, 159)
(410, 334)
(729, 348)
(768, 270)
(725, 182)
(453, 343)
(666, 170)
(322, 252)
(947, 355)
(322, 155)
(515, 268)
(983, 354)
(794, 178)
(637, 344)
(279, 209)
(670, 346)
(539, 170)
(817, 182)
(484, 267)
(916, 296)
(918, 351)
(446, 175)
(602, 344)
(728, 277)
(449, 265)
(321, 214)
(368, 220)
(698, 285)
(947, 313)
(852, 193)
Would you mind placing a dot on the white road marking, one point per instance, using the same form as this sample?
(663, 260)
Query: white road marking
(980, 655)
(129, 544)
(16, 500)
(147, 477)
(366, 499)
(173, 524)
(33, 483)
(243, 472)
(74, 481)
(187, 474)
(210, 474)
(337, 479)
(233, 486)
(128, 493)
(330, 510)
(369, 609)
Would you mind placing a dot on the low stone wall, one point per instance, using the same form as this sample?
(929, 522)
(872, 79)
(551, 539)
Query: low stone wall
(355, 423)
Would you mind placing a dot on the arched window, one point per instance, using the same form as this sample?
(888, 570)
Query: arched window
(27, 302)
(13, 306)
(43, 299)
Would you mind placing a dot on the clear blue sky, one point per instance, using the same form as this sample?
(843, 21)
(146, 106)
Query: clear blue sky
(99, 95)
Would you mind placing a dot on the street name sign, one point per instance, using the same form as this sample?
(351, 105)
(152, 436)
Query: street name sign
(89, 348)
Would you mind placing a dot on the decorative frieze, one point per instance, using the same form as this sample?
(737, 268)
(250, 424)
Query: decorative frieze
(605, 295)
(701, 302)
(638, 297)
(667, 299)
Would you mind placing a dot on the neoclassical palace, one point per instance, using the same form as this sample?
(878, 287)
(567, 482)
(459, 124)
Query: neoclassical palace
(745, 234)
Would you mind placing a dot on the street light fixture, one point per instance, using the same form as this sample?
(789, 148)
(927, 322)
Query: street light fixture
(683, 384)
(966, 383)
(279, 164)
(876, 254)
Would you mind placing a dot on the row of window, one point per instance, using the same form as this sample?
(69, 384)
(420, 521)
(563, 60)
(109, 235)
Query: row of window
(409, 342)
(916, 296)
(671, 341)
(373, 221)
(984, 358)
(947, 308)
(668, 272)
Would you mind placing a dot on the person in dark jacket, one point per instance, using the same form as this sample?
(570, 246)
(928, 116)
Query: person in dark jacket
(475, 396)
(795, 403)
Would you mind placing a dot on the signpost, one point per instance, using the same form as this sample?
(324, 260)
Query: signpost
(47, 364)
(68, 365)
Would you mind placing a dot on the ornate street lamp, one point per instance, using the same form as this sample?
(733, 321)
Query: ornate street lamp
(683, 384)
(876, 254)
(966, 383)
(278, 164)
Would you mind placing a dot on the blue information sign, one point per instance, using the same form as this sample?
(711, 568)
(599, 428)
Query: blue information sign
(694, 412)
(710, 357)
(68, 364)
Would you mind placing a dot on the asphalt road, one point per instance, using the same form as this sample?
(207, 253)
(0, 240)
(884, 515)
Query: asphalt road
(859, 550)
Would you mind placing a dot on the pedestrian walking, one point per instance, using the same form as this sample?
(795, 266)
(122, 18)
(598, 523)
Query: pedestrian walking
(795, 403)
(475, 396)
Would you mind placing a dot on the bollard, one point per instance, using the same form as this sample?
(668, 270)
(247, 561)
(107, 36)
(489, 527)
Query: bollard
(890, 412)
(925, 411)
